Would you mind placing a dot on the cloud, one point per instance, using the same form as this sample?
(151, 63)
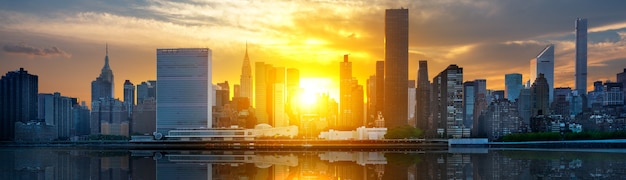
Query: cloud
(34, 51)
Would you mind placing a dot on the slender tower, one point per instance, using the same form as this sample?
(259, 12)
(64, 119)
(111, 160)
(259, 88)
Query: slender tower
(423, 96)
(246, 77)
(581, 55)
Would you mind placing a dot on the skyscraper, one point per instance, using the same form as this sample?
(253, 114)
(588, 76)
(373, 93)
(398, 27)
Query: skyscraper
(512, 86)
(412, 102)
(448, 102)
(103, 86)
(350, 104)
(129, 96)
(581, 56)
(56, 110)
(396, 67)
(279, 92)
(621, 78)
(260, 88)
(422, 97)
(18, 101)
(146, 90)
(380, 88)
(544, 64)
(246, 77)
(539, 93)
(183, 99)
(469, 97)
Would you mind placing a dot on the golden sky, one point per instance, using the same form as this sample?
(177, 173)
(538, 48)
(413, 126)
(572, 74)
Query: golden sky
(64, 42)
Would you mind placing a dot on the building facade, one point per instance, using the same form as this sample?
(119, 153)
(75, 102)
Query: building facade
(544, 64)
(183, 99)
(448, 102)
(18, 101)
(396, 66)
(539, 94)
(581, 55)
(245, 79)
(512, 86)
(422, 106)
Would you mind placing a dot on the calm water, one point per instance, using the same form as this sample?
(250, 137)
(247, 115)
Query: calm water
(60, 163)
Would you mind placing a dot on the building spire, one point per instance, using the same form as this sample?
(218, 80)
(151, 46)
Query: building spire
(106, 58)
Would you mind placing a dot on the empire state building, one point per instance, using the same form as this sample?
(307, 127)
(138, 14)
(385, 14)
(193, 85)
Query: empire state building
(103, 86)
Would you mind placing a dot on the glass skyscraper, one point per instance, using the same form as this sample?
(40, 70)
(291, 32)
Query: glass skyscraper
(512, 86)
(544, 64)
(581, 56)
(396, 67)
(183, 99)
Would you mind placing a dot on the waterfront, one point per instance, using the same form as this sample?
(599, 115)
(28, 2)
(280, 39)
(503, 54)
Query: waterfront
(454, 163)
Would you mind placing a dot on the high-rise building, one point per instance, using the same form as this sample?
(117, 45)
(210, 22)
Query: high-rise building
(183, 99)
(469, 98)
(480, 100)
(422, 96)
(412, 102)
(292, 100)
(621, 78)
(346, 111)
(246, 77)
(613, 94)
(371, 100)
(144, 117)
(56, 110)
(103, 86)
(81, 116)
(524, 105)
(544, 64)
(501, 118)
(18, 101)
(396, 66)
(129, 97)
(108, 116)
(539, 94)
(448, 102)
(512, 86)
(380, 88)
(146, 90)
(581, 56)
(279, 90)
(260, 88)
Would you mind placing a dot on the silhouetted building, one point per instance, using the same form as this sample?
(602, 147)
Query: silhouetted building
(512, 86)
(469, 97)
(480, 100)
(129, 96)
(422, 96)
(621, 78)
(109, 116)
(613, 100)
(183, 99)
(524, 103)
(371, 100)
(448, 102)
(82, 119)
(501, 118)
(380, 87)
(544, 64)
(581, 56)
(56, 110)
(262, 98)
(18, 101)
(146, 90)
(539, 93)
(396, 66)
(103, 86)
(292, 101)
(144, 117)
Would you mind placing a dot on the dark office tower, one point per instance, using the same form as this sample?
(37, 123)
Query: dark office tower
(396, 67)
(380, 87)
(146, 90)
(539, 97)
(422, 96)
(371, 100)
(246, 77)
(581, 55)
(512, 86)
(18, 101)
(621, 78)
(102, 87)
(129, 96)
(448, 102)
(480, 101)
(469, 97)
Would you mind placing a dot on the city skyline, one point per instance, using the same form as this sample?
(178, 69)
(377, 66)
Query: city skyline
(64, 44)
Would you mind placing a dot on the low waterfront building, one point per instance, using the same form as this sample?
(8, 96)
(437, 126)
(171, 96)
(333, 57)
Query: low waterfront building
(361, 133)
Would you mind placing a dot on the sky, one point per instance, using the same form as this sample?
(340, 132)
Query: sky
(63, 42)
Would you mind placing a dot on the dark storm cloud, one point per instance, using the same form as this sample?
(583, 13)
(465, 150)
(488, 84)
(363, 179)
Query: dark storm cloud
(34, 51)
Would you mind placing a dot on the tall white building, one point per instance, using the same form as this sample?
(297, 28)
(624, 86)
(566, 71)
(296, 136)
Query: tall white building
(183, 99)
(544, 64)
